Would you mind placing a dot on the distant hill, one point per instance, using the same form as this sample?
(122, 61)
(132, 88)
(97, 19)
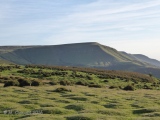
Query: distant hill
(144, 58)
(90, 54)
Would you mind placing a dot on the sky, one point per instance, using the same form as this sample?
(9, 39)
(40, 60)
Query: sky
(132, 26)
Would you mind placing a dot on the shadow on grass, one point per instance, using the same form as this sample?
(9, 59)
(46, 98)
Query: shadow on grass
(78, 98)
(79, 118)
(142, 111)
(111, 105)
(75, 107)
(19, 118)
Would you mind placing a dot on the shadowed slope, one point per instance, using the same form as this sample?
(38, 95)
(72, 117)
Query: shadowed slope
(90, 54)
(80, 54)
(147, 59)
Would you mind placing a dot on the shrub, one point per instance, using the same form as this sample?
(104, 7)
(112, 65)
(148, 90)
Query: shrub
(95, 85)
(113, 86)
(78, 98)
(105, 81)
(89, 77)
(24, 82)
(80, 118)
(36, 83)
(144, 110)
(61, 89)
(53, 83)
(25, 102)
(129, 87)
(65, 82)
(82, 83)
(45, 74)
(75, 107)
(11, 83)
(6, 78)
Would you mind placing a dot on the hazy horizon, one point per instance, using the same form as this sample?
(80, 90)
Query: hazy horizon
(130, 26)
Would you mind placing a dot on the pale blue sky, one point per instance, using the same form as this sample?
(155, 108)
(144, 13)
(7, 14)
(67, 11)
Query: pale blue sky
(127, 25)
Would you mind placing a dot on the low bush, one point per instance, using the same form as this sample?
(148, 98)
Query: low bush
(113, 87)
(95, 85)
(24, 82)
(80, 117)
(36, 83)
(79, 98)
(65, 82)
(81, 83)
(75, 107)
(61, 89)
(53, 83)
(105, 81)
(129, 87)
(89, 77)
(142, 111)
(11, 83)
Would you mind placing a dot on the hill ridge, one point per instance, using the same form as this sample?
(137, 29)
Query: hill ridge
(89, 54)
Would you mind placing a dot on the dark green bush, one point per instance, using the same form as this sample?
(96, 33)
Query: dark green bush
(129, 87)
(105, 81)
(82, 83)
(113, 87)
(89, 77)
(46, 74)
(24, 82)
(36, 83)
(53, 83)
(80, 118)
(11, 83)
(78, 98)
(75, 107)
(61, 89)
(95, 86)
(142, 111)
(65, 82)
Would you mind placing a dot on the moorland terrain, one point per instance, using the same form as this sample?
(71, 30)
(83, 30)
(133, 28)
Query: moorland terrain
(90, 54)
(83, 81)
(34, 92)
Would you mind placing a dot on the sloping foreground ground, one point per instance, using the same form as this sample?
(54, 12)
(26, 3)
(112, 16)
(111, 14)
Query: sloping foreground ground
(34, 92)
(77, 103)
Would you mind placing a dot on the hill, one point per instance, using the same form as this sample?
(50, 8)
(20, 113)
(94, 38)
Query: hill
(144, 58)
(90, 54)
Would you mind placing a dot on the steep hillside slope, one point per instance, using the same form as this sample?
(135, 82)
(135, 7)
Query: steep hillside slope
(90, 54)
(81, 54)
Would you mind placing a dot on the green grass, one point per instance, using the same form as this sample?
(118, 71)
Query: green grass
(71, 101)
(76, 76)
(83, 102)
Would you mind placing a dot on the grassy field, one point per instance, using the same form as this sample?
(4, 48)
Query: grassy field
(78, 103)
(63, 93)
